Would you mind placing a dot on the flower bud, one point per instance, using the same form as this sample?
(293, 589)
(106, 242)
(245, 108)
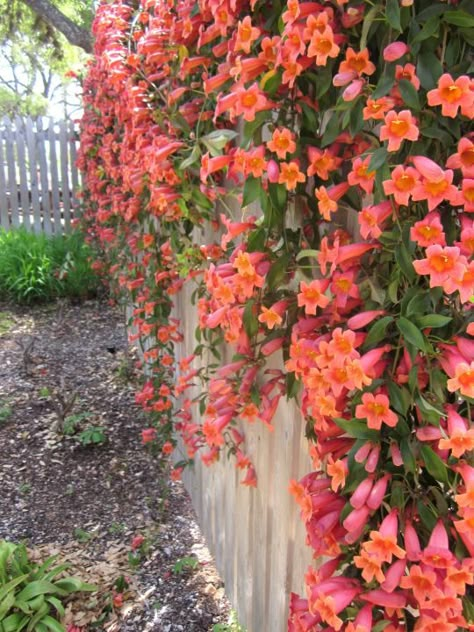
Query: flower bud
(394, 51)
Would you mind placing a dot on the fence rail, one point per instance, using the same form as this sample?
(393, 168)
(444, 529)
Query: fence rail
(38, 174)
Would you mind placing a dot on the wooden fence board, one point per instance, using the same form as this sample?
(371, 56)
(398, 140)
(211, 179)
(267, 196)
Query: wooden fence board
(44, 179)
(54, 179)
(11, 169)
(64, 160)
(255, 534)
(4, 219)
(38, 175)
(74, 172)
(34, 183)
(22, 173)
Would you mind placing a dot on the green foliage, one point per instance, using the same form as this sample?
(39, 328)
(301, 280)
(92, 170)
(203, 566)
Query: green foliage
(184, 564)
(31, 594)
(232, 626)
(14, 104)
(39, 268)
(72, 422)
(5, 411)
(93, 435)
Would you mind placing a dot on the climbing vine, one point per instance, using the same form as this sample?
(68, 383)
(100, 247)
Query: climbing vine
(309, 167)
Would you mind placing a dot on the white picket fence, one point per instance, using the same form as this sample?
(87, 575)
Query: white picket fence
(39, 179)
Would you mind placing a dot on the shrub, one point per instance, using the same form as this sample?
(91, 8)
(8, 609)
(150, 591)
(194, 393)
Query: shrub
(31, 594)
(40, 268)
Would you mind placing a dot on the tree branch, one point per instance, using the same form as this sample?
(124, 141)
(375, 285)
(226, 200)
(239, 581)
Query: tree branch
(55, 18)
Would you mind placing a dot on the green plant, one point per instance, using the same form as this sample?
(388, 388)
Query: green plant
(40, 268)
(5, 412)
(81, 535)
(6, 322)
(72, 422)
(232, 625)
(24, 488)
(184, 564)
(44, 392)
(31, 594)
(93, 435)
(117, 528)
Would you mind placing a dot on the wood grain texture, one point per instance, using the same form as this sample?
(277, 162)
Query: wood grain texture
(38, 175)
(256, 535)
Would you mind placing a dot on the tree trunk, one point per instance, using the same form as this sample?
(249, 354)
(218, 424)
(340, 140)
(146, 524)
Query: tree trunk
(53, 16)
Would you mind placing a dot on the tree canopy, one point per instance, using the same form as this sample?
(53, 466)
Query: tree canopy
(48, 20)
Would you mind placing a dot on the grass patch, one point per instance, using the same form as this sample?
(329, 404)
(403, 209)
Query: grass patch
(6, 323)
(37, 268)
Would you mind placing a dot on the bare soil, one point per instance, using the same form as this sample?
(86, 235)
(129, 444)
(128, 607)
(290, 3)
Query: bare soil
(67, 368)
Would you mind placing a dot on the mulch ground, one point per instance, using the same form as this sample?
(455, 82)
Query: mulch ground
(66, 381)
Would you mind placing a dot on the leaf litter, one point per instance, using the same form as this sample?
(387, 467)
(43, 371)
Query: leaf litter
(69, 364)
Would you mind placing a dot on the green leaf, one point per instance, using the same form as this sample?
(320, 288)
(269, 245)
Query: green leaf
(57, 605)
(15, 622)
(52, 624)
(39, 587)
(357, 429)
(437, 133)
(218, 138)
(356, 120)
(277, 271)
(411, 333)
(405, 262)
(332, 131)
(11, 585)
(6, 604)
(431, 412)
(399, 397)
(415, 302)
(434, 464)
(323, 82)
(459, 18)
(72, 584)
(252, 189)
(428, 70)
(384, 85)
(307, 253)
(378, 158)
(249, 319)
(392, 13)
(429, 28)
(278, 195)
(191, 159)
(430, 11)
(433, 320)
(427, 516)
(367, 23)
(256, 240)
(409, 94)
(378, 331)
(409, 461)
(310, 119)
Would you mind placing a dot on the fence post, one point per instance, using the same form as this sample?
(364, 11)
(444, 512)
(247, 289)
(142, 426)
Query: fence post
(21, 155)
(35, 201)
(53, 166)
(4, 219)
(13, 206)
(65, 171)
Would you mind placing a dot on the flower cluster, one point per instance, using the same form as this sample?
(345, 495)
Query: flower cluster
(310, 168)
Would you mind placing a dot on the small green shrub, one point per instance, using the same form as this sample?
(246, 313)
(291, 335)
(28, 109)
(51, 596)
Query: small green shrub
(38, 268)
(185, 564)
(93, 435)
(31, 595)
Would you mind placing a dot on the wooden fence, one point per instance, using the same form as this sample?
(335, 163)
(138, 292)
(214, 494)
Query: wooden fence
(255, 534)
(38, 174)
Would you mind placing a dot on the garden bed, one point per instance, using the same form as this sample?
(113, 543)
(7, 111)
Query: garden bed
(91, 491)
